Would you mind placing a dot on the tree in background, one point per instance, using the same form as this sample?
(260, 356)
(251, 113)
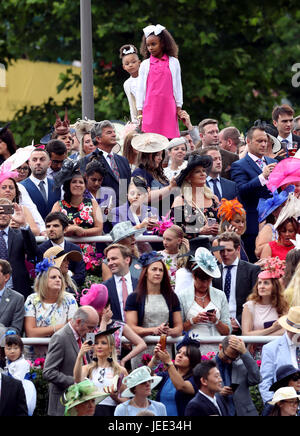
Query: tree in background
(236, 58)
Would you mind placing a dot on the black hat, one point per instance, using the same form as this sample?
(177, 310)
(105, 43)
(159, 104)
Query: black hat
(201, 241)
(68, 170)
(194, 161)
(283, 374)
(107, 332)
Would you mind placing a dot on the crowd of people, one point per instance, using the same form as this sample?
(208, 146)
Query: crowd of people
(226, 263)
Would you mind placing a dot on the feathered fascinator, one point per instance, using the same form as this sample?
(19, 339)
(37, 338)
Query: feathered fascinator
(267, 205)
(296, 242)
(189, 339)
(6, 173)
(273, 268)
(163, 225)
(148, 258)
(43, 266)
(206, 261)
(229, 208)
(68, 170)
(83, 127)
(62, 127)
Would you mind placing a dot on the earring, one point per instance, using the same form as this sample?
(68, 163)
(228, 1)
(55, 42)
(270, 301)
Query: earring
(109, 359)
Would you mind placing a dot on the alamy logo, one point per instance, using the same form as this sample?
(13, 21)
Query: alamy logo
(2, 76)
(296, 77)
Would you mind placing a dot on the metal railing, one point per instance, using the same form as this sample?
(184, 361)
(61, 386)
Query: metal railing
(170, 340)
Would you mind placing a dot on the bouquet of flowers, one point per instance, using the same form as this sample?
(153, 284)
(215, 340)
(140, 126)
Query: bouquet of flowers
(210, 355)
(36, 376)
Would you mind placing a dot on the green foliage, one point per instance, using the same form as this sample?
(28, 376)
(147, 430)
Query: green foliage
(236, 59)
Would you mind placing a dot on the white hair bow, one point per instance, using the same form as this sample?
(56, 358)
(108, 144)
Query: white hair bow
(130, 50)
(153, 29)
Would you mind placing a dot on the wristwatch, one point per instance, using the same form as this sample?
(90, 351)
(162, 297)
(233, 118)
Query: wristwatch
(169, 364)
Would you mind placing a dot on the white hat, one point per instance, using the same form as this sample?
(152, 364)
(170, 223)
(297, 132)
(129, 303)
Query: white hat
(137, 377)
(276, 144)
(149, 142)
(176, 141)
(286, 393)
(290, 209)
(207, 262)
(20, 156)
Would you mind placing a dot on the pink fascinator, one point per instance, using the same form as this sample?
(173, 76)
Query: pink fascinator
(6, 173)
(273, 268)
(163, 225)
(96, 297)
(285, 172)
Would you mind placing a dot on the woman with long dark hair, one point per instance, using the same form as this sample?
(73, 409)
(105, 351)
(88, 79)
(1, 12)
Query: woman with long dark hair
(153, 308)
(7, 144)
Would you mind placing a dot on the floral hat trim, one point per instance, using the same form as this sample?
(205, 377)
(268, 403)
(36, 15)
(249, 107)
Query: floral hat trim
(43, 266)
(273, 268)
(205, 260)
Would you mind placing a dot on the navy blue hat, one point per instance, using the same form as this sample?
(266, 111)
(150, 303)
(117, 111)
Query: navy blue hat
(283, 374)
(148, 258)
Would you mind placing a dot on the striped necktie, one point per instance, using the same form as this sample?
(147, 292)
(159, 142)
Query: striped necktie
(227, 285)
(113, 166)
(3, 246)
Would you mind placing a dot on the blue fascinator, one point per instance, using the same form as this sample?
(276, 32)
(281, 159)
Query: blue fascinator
(189, 339)
(267, 206)
(207, 262)
(43, 266)
(148, 258)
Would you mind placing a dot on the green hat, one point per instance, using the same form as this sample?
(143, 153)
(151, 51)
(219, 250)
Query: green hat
(79, 393)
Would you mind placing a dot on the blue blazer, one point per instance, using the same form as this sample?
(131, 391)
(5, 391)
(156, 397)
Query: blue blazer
(202, 406)
(274, 354)
(245, 173)
(123, 213)
(54, 195)
(113, 296)
(118, 188)
(77, 268)
(229, 188)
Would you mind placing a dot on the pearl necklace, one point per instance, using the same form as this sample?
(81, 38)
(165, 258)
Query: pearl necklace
(201, 298)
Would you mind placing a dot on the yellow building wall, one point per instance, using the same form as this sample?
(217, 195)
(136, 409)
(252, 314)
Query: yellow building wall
(27, 83)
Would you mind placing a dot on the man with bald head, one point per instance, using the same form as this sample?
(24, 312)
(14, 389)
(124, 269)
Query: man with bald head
(62, 354)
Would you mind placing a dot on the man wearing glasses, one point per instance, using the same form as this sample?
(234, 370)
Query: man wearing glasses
(239, 371)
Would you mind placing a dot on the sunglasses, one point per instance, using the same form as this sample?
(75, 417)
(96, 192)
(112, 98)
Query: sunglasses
(295, 377)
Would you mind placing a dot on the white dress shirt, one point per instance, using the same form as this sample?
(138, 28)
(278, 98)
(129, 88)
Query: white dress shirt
(262, 179)
(292, 348)
(211, 185)
(289, 139)
(118, 282)
(232, 297)
(213, 400)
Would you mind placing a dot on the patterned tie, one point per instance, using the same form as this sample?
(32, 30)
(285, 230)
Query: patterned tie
(124, 291)
(3, 246)
(43, 190)
(298, 356)
(260, 163)
(216, 189)
(113, 165)
(227, 285)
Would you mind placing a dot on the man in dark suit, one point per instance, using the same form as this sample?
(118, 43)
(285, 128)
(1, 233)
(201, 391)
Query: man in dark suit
(121, 284)
(40, 187)
(251, 175)
(117, 178)
(209, 134)
(207, 401)
(237, 277)
(16, 245)
(282, 117)
(56, 223)
(12, 397)
(11, 302)
(62, 354)
(221, 187)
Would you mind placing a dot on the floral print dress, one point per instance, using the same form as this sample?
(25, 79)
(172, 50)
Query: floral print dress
(170, 260)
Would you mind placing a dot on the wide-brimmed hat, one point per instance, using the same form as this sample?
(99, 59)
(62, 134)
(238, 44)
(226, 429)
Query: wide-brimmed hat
(79, 393)
(276, 144)
(149, 142)
(291, 321)
(107, 332)
(124, 230)
(137, 377)
(282, 394)
(148, 258)
(68, 170)
(175, 142)
(287, 171)
(267, 205)
(207, 262)
(283, 374)
(273, 268)
(194, 161)
(20, 156)
(96, 296)
(58, 255)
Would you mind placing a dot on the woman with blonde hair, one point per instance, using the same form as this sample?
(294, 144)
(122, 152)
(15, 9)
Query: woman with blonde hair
(50, 307)
(195, 210)
(104, 371)
(292, 292)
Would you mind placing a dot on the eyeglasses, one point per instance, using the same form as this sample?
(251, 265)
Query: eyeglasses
(232, 359)
(23, 169)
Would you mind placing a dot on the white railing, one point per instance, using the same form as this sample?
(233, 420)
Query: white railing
(104, 238)
(170, 340)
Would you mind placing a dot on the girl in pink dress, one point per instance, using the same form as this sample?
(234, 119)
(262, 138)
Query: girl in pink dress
(159, 89)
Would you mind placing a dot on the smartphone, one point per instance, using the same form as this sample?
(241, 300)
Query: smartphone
(210, 311)
(163, 342)
(90, 337)
(211, 221)
(7, 209)
(234, 386)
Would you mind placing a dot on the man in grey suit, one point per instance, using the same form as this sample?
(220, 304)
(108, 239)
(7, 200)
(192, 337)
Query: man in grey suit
(62, 354)
(237, 277)
(238, 370)
(11, 302)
